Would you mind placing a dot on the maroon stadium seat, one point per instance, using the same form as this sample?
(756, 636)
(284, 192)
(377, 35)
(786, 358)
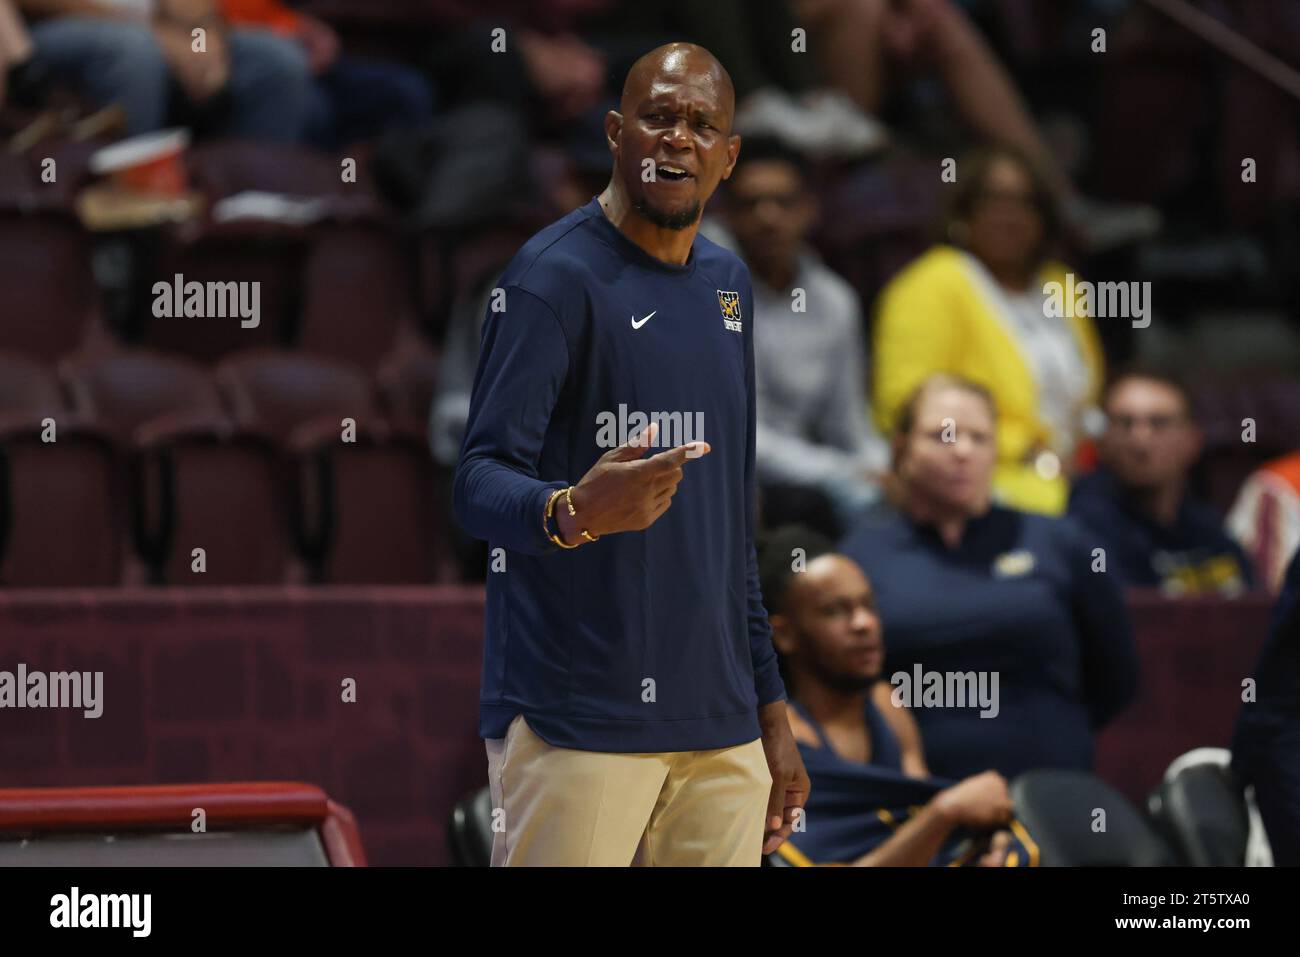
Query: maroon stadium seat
(122, 391)
(476, 259)
(277, 391)
(225, 167)
(47, 289)
(271, 256)
(407, 385)
(432, 287)
(340, 281)
(198, 483)
(28, 387)
(61, 507)
(368, 509)
(372, 511)
(357, 294)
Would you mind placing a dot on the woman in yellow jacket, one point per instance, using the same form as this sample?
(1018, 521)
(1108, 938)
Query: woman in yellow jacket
(974, 307)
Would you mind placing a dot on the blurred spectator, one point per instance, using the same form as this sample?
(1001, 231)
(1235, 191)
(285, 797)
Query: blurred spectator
(1266, 745)
(778, 91)
(244, 83)
(863, 753)
(353, 98)
(15, 45)
(506, 72)
(1215, 107)
(462, 168)
(975, 307)
(871, 48)
(969, 587)
(1137, 503)
(456, 369)
(813, 432)
(542, 68)
(868, 47)
(1265, 519)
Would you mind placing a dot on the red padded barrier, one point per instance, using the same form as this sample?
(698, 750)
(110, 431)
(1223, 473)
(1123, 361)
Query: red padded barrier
(164, 805)
(169, 806)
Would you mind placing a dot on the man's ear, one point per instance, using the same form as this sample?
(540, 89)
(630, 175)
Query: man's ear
(733, 151)
(613, 126)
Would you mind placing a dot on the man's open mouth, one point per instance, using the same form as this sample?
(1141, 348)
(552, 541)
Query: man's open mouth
(672, 173)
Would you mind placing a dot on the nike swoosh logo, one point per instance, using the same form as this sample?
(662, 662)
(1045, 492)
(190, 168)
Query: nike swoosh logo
(638, 325)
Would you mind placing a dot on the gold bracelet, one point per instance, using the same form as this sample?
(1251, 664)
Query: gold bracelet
(569, 501)
(546, 519)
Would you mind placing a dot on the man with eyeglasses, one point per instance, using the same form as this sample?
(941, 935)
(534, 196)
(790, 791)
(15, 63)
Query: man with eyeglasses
(819, 458)
(1156, 534)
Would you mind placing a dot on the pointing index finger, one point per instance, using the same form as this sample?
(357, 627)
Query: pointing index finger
(672, 458)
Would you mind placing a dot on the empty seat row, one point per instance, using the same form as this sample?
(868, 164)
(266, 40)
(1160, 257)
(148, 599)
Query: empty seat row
(349, 284)
(350, 291)
(276, 468)
(267, 390)
(343, 292)
(340, 285)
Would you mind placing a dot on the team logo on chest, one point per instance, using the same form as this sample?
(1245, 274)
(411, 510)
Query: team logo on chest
(1014, 564)
(729, 303)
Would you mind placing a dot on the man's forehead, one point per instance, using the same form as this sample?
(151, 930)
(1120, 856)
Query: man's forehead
(700, 91)
(763, 174)
(1145, 394)
(837, 575)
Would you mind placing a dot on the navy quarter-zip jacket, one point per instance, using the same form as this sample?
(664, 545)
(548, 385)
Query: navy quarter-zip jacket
(644, 641)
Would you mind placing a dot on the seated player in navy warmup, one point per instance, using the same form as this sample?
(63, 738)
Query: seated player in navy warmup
(873, 802)
(972, 589)
(1154, 532)
(1266, 747)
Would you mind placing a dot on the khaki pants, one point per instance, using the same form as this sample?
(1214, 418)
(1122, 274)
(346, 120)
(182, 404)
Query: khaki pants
(564, 807)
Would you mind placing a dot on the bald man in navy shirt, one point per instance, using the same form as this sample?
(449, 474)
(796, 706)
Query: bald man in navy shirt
(631, 703)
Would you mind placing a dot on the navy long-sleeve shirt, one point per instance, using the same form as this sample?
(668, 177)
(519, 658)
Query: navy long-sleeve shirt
(1194, 554)
(1017, 596)
(644, 641)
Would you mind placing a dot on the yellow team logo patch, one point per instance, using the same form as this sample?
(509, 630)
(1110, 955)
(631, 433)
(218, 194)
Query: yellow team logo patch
(729, 303)
(1014, 564)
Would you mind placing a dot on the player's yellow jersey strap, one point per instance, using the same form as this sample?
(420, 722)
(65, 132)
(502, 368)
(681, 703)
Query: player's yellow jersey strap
(799, 859)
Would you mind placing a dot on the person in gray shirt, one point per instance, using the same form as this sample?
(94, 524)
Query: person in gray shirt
(814, 438)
